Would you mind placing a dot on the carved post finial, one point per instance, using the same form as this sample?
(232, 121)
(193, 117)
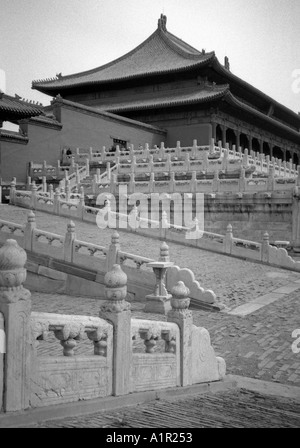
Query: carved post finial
(164, 252)
(115, 290)
(12, 272)
(229, 228)
(71, 227)
(115, 238)
(180, 297)
(31, 217)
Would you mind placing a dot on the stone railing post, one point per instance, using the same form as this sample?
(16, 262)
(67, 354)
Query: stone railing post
(164, 224)
(133, 164)
(28, 230)
(146, 154)
(77, 174)
(51, 195)
(117, 311)
(113, 184)
(162, 150)
(216, 182)
(44, 168)
(44, 184)
(150, 163)
(108, 171)
(168, 163)
(69, 241)
(81, 204)
(159, 300)
(68, 190)
(242, 181)
(194, 183)
(94, 184)
(271, 178)
(56, 202)
(114, 248)
(33, 195)
(194, 149)
(87, 167)
(172, 182)
(103, 154)
(205, 161)
(225, 159)
(245, 161)
(131, 183)
(183, 317)
(28, 183)
(265, 248)
(131, 151)
(187, 162)
(178, 149)
(98, 175)
(15, 306)
(227, 244)
(152, 183)
(12, 192)
(279, 167)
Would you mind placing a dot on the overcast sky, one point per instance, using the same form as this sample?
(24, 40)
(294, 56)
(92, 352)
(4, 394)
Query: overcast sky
(40, 38)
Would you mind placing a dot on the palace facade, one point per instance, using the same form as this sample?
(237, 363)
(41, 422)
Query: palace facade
(166, 83)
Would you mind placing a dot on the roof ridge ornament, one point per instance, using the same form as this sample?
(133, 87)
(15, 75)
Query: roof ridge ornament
(226, 63)
(162, 22)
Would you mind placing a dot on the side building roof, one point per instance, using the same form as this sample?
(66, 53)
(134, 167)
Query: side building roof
(14, 108)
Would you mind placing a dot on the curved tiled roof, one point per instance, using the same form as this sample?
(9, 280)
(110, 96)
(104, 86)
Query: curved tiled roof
(14, 107)
(171, 98)
(162, 52)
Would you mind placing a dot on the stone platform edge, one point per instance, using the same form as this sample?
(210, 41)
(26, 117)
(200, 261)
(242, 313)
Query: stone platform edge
(31, 417)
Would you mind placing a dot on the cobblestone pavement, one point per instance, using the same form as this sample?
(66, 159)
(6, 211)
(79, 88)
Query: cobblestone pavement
(234, 281)
(231, 409)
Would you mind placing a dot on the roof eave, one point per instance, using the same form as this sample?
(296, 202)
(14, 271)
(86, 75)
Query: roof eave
(54, 90)
(210, 99)
(230, 99)
(221, 69)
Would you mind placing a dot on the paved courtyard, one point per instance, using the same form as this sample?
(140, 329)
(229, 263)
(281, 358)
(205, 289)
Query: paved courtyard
(231, 409)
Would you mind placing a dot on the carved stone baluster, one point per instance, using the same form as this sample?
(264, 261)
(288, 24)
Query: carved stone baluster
(68, 335)
(99, 339)
(100, 347)
(170, 341)
(150, 340)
